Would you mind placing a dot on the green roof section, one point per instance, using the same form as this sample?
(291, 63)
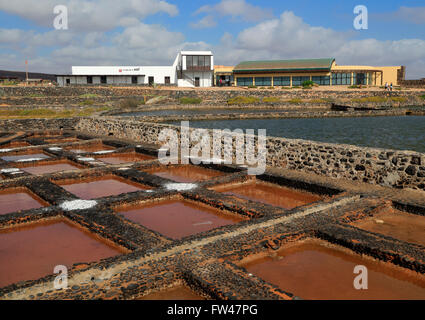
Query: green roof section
(285, 65)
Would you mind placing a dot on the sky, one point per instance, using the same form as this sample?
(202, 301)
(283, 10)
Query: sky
(151, 32)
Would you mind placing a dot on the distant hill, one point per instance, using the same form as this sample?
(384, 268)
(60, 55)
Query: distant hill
(22, 75)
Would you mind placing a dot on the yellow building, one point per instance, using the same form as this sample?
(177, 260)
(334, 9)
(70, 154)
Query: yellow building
(223, 76)
(324, 72)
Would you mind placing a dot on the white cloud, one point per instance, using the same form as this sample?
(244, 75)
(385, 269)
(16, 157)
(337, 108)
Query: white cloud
(289, 37)
(96, 15)
(205, 22)
(237, 9)
(415, 15)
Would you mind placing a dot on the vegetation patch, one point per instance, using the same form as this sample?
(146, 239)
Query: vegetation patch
(271, 100)
(8, 83)
(86, 103)
(295, 101)
(243, 100)
(252, 87)
(321, 100)
(308, 84)
(130, 103)
(422, 96)
(48, 113)
(398, 99)
(189, 100)
(89, 96)
(370, 99)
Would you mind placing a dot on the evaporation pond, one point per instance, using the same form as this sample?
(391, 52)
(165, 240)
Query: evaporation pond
(270, 194)
(125, 158)
(187, 174)
(178, 219)
(14, 200)
(98, 188)
(397, 224)
(316, 270)
(50, 168)
(32, 251)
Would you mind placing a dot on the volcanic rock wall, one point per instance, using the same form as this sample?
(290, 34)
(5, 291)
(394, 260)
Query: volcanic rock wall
(399, 169)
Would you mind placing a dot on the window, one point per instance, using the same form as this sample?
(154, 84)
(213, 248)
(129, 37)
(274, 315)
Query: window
(282, 81)
(103, 79)
(359, 78)
(322, 80)
(134, 79)
(263, 81)
(195, 61)
(245, 82)
(89, 80)
(298, 81)
(207, 61)
(189, 61)
(341, 79)
(167, 80)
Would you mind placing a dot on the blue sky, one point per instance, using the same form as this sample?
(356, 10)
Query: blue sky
(150, 32)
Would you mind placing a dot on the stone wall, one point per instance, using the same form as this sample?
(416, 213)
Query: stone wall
(413, 83)
(399, 169)
(37, 124)
(69, 95)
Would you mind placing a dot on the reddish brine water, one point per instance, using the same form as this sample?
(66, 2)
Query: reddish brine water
(187, 174)
(50, 168)
(32, 251)
(270, 194)
(125, 158)
(178, 219)
(312, 270)
(19, 199)
(103, 187)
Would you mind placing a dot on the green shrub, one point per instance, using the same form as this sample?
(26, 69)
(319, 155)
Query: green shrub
(87, 103)
(321, 100)
(252, 87)
(370, 99)
(296, 87)
(271, 100)
(130, 103)
(399, 99)
(307, 84)
(271, 88)
(242, 100)
(189, 100)
(422, 96)
(89, 96)
(8, 83)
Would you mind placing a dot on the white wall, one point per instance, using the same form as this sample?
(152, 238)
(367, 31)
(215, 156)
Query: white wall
(123, 74)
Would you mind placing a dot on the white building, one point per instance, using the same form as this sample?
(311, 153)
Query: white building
(190, 69)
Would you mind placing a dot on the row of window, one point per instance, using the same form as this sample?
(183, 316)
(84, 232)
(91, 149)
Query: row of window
(134, 80)
(198, 61)
(341, 78)
(337, 79)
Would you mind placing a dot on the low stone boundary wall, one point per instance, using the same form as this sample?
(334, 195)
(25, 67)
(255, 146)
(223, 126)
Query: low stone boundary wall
(399, 169)
(37, 124)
